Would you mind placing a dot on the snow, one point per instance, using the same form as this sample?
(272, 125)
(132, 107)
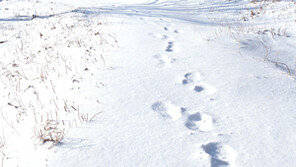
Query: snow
(148, 83)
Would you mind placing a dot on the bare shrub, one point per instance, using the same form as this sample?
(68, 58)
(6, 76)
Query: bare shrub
(50, 131)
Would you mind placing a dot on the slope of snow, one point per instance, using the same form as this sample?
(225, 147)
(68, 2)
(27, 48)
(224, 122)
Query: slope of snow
(191, 83)
(185, 94)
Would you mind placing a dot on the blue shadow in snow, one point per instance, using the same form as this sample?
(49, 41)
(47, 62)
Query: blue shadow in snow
(180, 10)
(174, 10)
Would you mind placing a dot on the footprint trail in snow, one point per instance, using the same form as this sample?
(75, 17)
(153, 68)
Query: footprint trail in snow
(218, 154)
(166, 58)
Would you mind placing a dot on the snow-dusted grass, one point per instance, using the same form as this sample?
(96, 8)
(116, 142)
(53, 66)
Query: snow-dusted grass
(47, 68)
(266, 31)
(273, 47)
(270, 32)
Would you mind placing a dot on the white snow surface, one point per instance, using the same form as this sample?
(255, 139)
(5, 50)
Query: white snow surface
(187, 83)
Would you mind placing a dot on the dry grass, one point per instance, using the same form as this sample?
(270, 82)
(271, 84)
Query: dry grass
(270, 8)
(240, 31)
(277, 63)
(50, 131)
(275, 11)
(46, 72)
(85, 117)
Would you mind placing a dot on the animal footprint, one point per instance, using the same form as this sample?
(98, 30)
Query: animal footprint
(204, 87)
(176, 31)
(221, 154)
(198, 89)
(194, 82)
(164, 61)
(171, 29)
(167, 110)
(159, 36)
(191, 78)
(168, 28)
(202, 122)
(169, 47)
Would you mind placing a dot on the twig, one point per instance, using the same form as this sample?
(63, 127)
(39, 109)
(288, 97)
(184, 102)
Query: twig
(95, 115)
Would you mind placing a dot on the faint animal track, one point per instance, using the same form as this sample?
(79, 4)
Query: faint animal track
(221, 154)
(168, 110)
(168, 28)
(171, 29)
(165, 37)
(201, 122)
(164, 61)
(191, 78)
(159, 36)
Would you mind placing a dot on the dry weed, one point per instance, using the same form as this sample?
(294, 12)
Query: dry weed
(50, 131)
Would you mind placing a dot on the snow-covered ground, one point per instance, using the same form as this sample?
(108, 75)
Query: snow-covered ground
(147, 83)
